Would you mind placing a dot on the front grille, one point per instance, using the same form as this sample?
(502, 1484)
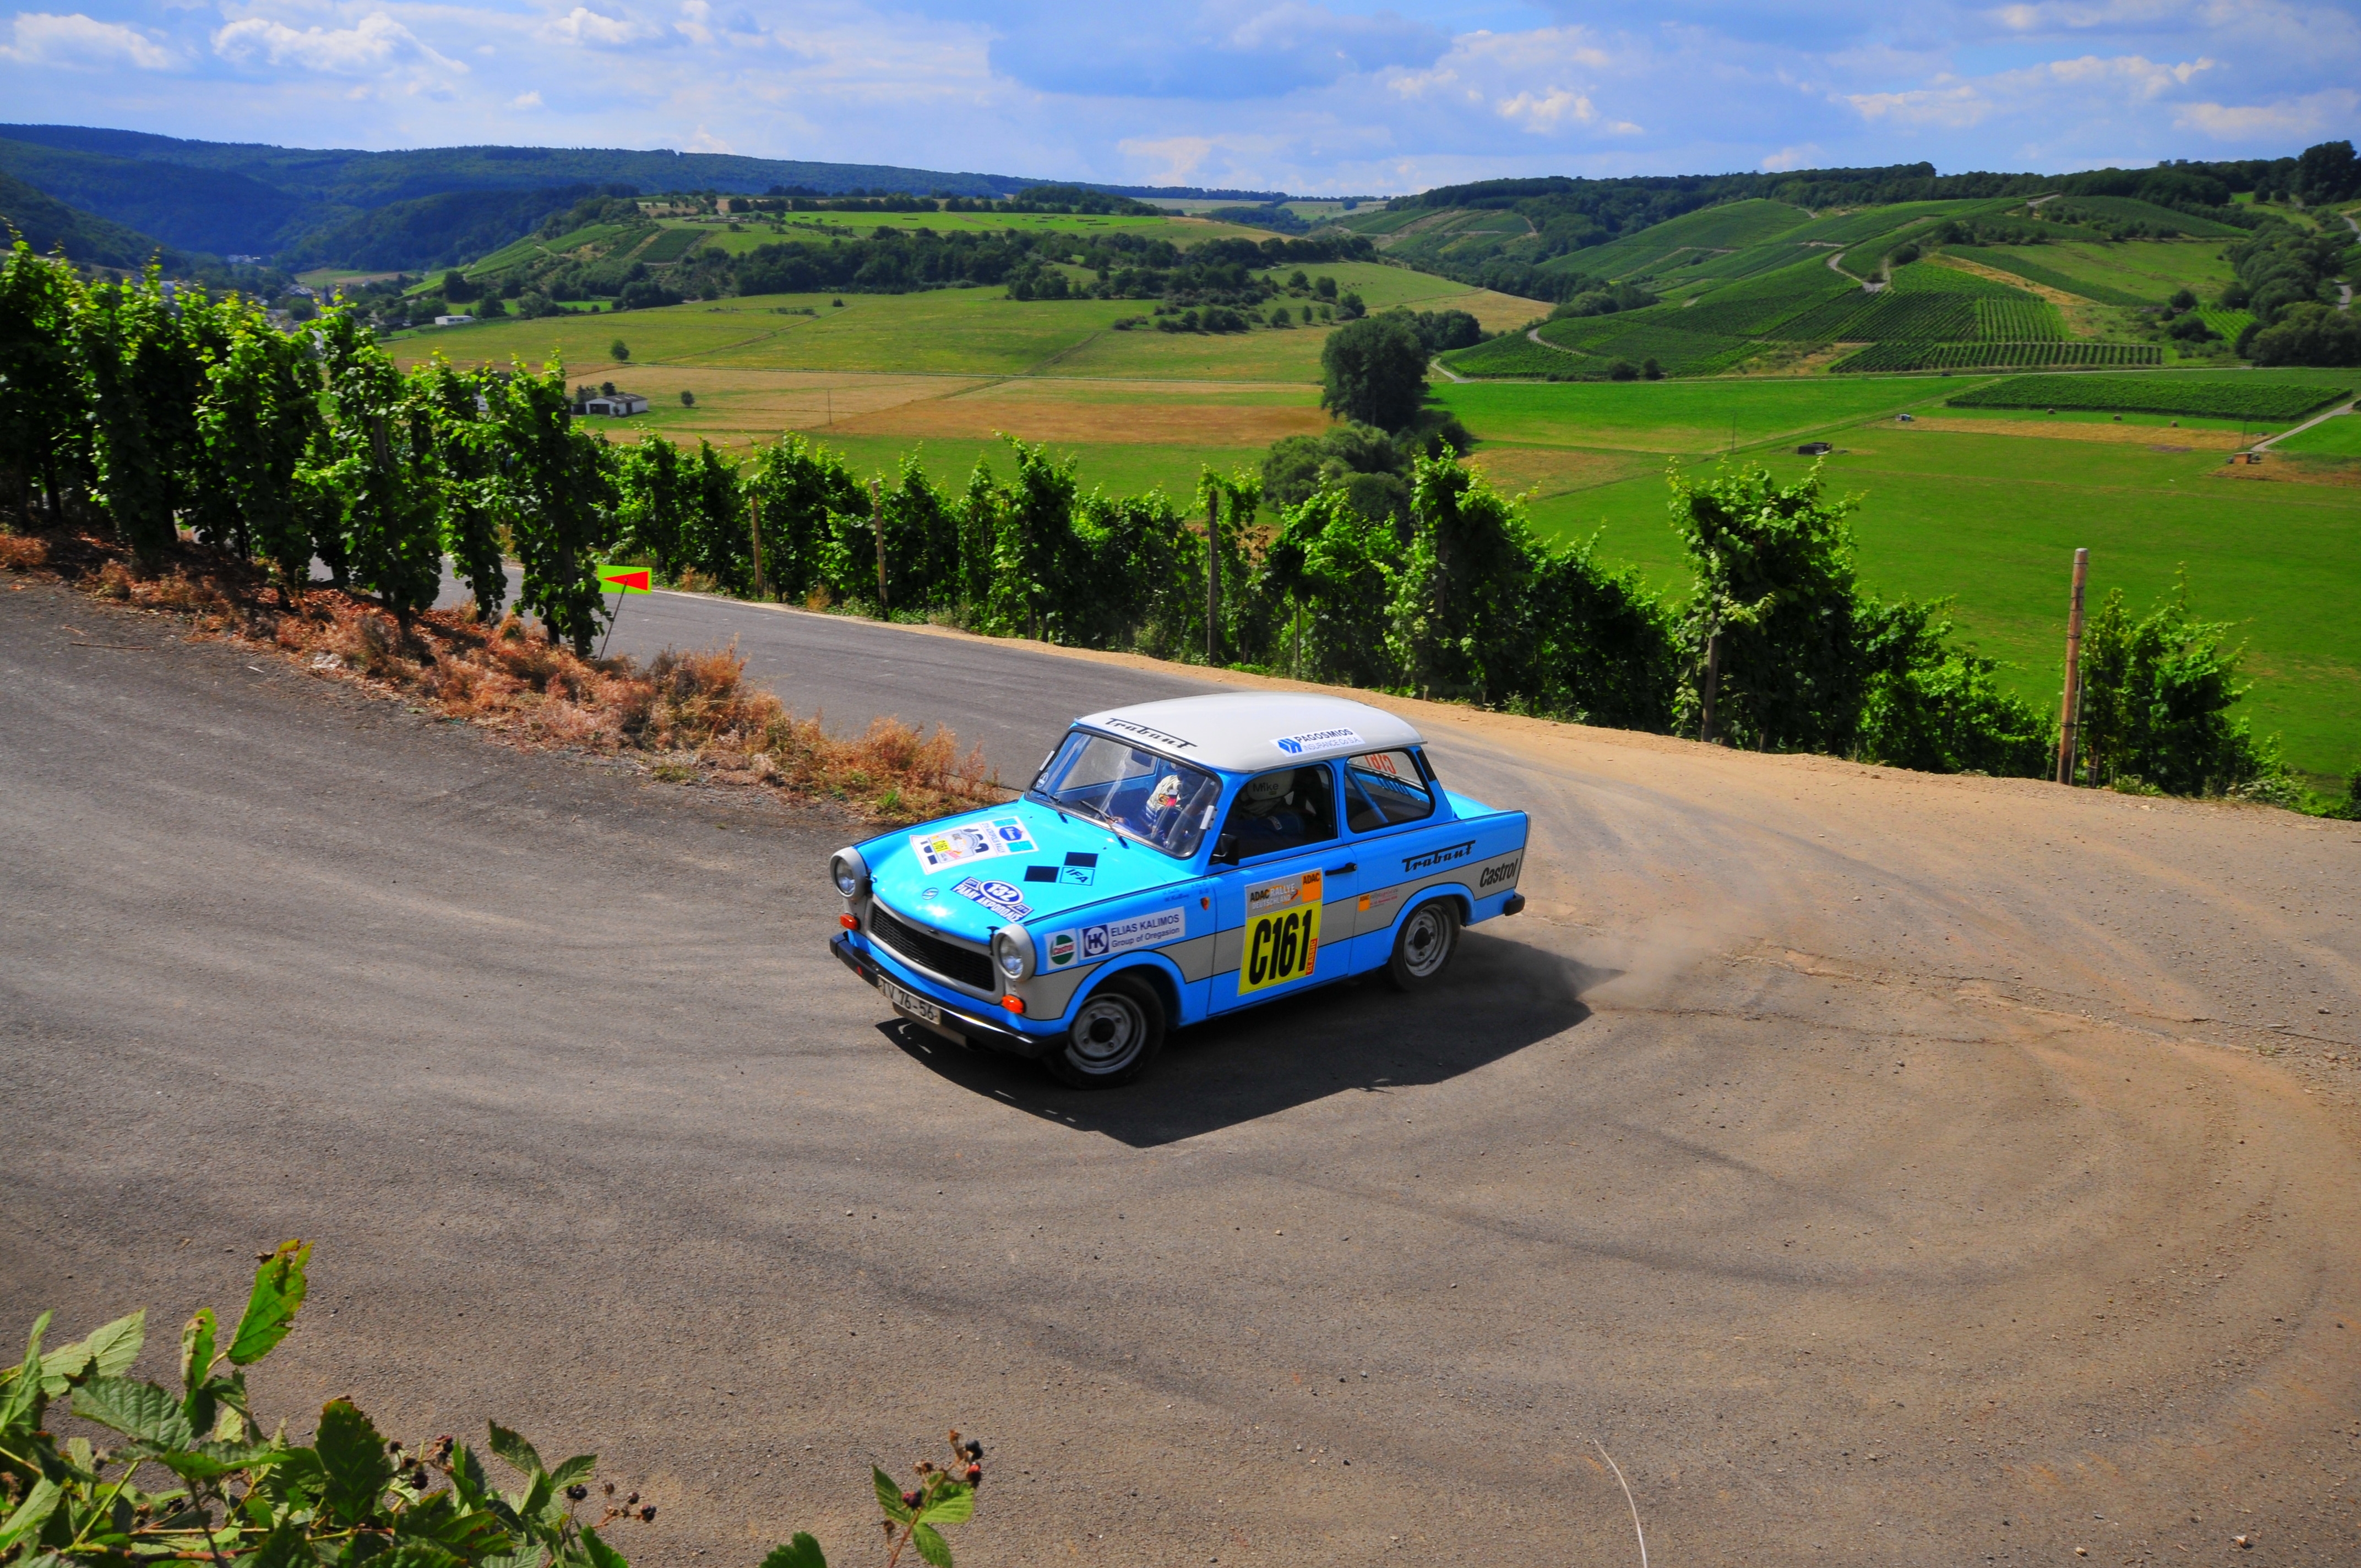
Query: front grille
(931, 952)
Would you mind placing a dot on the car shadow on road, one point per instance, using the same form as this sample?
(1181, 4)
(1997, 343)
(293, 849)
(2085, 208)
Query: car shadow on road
(1499, 997)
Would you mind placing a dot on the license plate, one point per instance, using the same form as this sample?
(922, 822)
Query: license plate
(916, 1006)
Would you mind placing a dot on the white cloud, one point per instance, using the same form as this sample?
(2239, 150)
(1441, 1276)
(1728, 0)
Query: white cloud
(80, 42)
(1787, 158)
(589, 29)
(1545, 111)
(525, 101)
(706, 141)
(2288, 122)
(372, 45)
(1176, 158)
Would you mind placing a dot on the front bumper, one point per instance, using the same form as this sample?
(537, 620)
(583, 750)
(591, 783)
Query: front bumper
(959, 1020)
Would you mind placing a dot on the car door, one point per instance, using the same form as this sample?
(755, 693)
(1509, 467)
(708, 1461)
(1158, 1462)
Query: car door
(1401, 822)
(1279, 905)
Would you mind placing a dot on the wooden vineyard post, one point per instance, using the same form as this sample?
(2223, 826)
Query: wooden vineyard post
(1213, 578)
(2071, 711)
(877, 529)
(1712, 680)
(754, 530)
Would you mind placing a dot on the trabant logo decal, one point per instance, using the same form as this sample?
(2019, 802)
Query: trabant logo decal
(1443, 857)
(1131, 727)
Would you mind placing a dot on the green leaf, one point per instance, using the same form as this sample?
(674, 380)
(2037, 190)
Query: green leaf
(513, 1450)
(197, 1349)
(278, 1288)
(134, 1409)
(288, 1545)
(802, 1552)
(206, 1461)
(417, 1554)
(601, 1555)
(439, 1518)
(535, 1500)
(531, 1557)
(889, 1496)
(114, 1348)
(354, 1456)
(467, 1477)
(579, 1468)
(25, 1388)
(931, 1546)
(955, 1503)
(32, 1514)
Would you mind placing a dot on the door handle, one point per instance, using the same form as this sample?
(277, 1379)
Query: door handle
(1349, 866)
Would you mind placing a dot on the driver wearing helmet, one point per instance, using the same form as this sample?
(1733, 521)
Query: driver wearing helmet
(1276, 810)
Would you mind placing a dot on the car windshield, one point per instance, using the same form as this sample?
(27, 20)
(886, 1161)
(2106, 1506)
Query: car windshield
(1163, 804)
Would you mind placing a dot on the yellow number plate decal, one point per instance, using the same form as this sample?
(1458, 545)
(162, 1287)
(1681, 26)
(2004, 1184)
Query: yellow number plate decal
(1281, 947)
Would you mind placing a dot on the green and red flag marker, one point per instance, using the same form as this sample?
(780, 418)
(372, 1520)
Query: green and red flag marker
(626, 581)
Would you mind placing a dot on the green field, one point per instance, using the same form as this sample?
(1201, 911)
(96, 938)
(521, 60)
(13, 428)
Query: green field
(1989, 515)
(2135, 272)
(2337, 436)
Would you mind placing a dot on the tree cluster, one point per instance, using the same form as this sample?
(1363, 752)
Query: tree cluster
(2285, 277)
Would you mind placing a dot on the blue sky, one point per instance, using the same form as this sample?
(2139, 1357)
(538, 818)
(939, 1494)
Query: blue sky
(1308, 96)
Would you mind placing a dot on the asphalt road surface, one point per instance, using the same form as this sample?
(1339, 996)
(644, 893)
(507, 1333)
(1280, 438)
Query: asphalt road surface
(1881, 1169)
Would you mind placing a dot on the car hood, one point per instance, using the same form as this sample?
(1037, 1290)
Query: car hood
(1072, 864)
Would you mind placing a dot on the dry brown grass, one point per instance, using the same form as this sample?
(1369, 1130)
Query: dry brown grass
(688, 717)
(21, 554)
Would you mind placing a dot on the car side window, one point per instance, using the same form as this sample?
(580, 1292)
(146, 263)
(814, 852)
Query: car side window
(1285, 809)
(1385, 789)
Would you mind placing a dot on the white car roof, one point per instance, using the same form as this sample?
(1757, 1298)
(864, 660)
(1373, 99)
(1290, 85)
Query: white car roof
(1248, 732)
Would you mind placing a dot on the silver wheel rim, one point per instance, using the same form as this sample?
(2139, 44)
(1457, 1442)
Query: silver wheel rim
(1427, 942)
(1107, 1034)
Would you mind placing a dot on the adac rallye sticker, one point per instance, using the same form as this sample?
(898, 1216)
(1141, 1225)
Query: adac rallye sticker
(1003, 899)
(1089, 944)
(972, 841)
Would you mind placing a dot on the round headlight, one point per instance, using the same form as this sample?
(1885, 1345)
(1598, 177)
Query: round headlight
(1012, 949)
(846, 869)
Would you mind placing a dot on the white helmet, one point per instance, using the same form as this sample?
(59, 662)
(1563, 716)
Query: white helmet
(1266, 791)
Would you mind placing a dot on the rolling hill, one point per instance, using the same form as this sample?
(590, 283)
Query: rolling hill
(307, 206)
(47, 223)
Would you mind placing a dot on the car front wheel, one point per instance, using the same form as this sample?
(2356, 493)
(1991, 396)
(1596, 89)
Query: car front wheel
(1117, 1033)
(1423, 945)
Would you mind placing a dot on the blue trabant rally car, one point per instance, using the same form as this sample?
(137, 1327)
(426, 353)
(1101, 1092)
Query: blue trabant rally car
(1173, 860)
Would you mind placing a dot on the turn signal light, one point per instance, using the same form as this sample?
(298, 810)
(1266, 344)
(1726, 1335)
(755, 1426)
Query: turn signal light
(847, 922)
(1014, 1003)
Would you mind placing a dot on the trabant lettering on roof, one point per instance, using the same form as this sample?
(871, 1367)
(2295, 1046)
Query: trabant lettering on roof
(1249, 732)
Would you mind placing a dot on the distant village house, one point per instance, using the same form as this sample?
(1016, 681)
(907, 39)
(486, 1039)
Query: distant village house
(615, 404)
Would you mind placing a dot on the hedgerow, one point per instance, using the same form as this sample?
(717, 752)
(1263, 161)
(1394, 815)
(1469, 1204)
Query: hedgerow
(188, 1474)
(2242, 397)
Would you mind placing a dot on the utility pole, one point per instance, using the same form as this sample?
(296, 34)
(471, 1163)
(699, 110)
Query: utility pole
(2071, 710)
(877, 529)
(1213, 577)
(755, 531)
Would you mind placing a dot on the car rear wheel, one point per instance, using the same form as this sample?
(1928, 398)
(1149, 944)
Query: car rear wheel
(1423, 946)
(1117, 1033)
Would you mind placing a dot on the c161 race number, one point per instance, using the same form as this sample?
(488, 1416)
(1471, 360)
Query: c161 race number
(1281, 947)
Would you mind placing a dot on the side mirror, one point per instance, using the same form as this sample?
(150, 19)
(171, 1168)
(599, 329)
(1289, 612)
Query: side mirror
(1226, 850)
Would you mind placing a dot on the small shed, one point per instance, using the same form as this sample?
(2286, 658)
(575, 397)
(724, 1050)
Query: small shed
(616, 405)
(453, 320)
(1815, 449)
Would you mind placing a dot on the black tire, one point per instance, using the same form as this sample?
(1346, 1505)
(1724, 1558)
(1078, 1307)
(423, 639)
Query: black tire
(1424, 946)
(1117, 1033)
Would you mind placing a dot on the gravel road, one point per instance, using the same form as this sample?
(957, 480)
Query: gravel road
(1884, 1169)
